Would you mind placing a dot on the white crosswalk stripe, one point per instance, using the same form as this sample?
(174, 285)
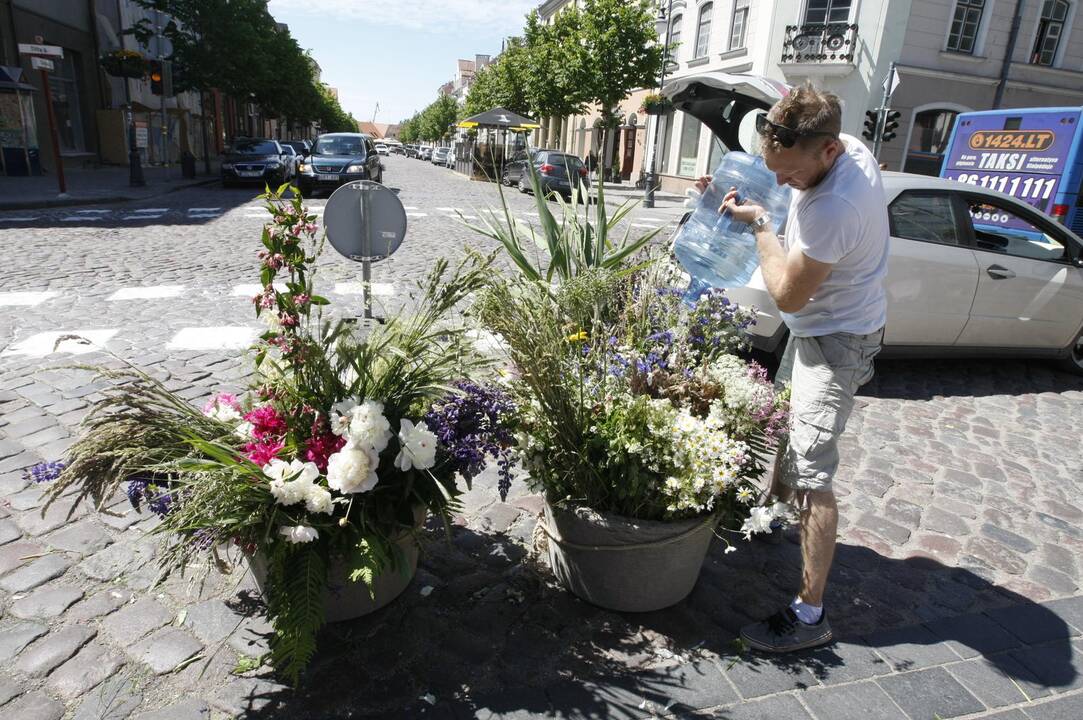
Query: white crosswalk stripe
(251, 290)
(21, 218)
(149, 292)
(25, 298)
(226, 337)
(356, 288)
(47, 343)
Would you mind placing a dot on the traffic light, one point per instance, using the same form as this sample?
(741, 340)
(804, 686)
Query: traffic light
(155, 76)
(872, 119)
(891, 122)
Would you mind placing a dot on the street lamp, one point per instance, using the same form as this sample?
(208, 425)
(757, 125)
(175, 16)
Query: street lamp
(662, 23)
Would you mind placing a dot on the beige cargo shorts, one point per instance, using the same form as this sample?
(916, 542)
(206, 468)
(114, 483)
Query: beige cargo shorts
(824, 373)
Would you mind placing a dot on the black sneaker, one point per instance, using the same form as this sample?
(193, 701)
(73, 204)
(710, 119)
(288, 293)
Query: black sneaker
(784, 632)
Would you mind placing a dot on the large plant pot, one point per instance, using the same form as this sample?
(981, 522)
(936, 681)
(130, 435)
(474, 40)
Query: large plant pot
(345, 599)
(624, 564)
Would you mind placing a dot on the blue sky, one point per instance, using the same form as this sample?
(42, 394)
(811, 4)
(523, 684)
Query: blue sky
(397, 52)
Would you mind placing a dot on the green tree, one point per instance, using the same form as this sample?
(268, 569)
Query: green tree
(619, 52)
(553, 64)
(501, 84)
(434, 120)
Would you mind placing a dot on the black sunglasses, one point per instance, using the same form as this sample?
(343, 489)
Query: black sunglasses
(784, 136)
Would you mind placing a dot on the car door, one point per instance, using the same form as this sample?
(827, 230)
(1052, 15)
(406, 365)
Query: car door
(1030, 286)
(372, 160)
(932, 273)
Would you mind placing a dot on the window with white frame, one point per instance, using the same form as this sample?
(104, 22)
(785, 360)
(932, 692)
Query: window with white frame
(674, 49)
(964, 25)
(1050, 28)
(819, 12)
(703, 29)
(739, 24)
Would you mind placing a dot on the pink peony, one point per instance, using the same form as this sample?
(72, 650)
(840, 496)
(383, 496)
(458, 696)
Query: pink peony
(221, 399)
(321, 447)
(264, 451)
(266, 422)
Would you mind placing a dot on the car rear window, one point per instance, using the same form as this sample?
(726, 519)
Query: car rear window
(255, 147)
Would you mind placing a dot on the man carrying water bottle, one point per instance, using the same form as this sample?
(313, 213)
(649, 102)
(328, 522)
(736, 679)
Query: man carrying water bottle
(826, 276)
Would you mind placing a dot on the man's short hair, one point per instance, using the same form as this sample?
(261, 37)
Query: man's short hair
(807, 109)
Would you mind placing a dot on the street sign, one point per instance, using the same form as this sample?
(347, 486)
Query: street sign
(141, 134)
(47, 50)
(365, 222)
(38, 63)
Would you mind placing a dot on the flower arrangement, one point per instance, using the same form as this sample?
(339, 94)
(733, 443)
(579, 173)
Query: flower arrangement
(632, 400)
(327, 460)
(124, 63)
(656, 104)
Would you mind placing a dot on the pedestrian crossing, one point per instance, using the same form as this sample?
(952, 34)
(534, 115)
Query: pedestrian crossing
(256, 212)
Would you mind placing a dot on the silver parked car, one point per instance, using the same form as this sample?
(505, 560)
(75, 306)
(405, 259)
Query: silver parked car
(971, 272)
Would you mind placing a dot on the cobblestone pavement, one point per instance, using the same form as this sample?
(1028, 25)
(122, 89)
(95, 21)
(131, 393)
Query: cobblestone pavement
(954, 591)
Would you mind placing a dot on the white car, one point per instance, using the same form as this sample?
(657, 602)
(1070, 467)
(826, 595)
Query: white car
(971, 272)
(381, 149)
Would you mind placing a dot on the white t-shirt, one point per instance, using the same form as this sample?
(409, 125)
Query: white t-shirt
(843, 221)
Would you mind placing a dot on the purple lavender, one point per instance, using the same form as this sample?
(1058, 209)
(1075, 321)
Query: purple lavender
(472, 425)
(45, 472)
(160, 503)
(137, 490)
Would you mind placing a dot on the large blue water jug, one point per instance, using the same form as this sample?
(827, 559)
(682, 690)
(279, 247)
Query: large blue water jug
(716, 250)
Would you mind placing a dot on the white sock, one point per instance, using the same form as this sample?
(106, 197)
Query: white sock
(808, 614)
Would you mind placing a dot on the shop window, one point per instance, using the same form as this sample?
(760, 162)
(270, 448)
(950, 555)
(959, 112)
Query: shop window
(928, 141)
(703, 29)
(65, 92)
(689, 150)
(964, 25)
(1050, 29)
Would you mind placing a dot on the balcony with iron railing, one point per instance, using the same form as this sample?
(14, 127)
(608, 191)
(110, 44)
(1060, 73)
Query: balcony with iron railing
(819, 49)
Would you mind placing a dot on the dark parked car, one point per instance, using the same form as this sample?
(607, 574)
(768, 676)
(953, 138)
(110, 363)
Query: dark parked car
(557, 173)
(303, 147)
(410, 150)
(339, 158)
(255, 160)
(291, 159)
(516, 166)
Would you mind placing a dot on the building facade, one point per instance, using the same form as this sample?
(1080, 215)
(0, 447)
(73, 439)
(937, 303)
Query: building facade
(950, 56)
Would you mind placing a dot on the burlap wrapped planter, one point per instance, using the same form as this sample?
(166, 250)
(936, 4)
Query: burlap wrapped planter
(345, 599)
(620, 563)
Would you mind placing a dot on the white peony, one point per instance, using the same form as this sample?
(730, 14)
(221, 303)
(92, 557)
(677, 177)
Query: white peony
(418, 446)
(368, 426)
(318, 500)
(353, 469)
(340, 417)
(758, 522)
(298, 533)
(290, 482)
(224, 413)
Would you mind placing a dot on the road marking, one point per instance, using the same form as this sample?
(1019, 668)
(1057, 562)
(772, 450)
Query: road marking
(356, 288)
(45, 343)
(225, 337)
(26, 298)
(447, 209)
(416, 214)
(81, 218)
(250, 291)
(408, 207)
(91, 212)
(150, 210)
(142, 216)
(202, 209)
(148, 292)
(21, 218)
(642, 225)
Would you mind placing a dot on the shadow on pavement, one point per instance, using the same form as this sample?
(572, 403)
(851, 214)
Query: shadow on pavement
(496, 638)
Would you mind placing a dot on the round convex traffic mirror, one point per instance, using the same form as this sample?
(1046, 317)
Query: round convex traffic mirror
(364, 221)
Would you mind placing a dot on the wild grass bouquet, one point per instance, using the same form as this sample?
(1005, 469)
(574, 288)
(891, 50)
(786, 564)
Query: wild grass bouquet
(632, 398)
(341, 442)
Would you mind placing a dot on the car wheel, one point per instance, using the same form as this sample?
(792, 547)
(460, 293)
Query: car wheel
(522, 185)
(505, 180)
(1074, 362)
